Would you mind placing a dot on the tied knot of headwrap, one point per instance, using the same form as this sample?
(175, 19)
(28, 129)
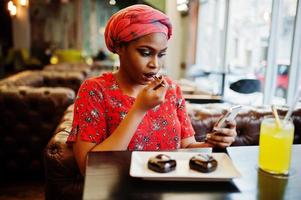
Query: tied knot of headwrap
(133, 22)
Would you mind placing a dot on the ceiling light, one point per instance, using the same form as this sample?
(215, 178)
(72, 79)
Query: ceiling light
(13, 11)
(182, 7)
(10, 5)
(23, 2)
(112, 2)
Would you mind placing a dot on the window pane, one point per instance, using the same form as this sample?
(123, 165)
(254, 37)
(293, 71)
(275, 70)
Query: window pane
(206, 72)
(284, 50)
(211, 26)
(249, 27)
(247, 47)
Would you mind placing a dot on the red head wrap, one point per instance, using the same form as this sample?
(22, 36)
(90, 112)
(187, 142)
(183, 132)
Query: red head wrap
(133, 22)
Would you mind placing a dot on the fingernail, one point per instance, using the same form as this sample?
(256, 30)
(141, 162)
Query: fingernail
(208, 136)
(158, 86)
(216, 129)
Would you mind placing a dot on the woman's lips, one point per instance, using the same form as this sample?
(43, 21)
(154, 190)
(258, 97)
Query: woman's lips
(149, 76)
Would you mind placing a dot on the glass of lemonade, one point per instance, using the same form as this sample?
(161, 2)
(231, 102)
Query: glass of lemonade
(275, 144)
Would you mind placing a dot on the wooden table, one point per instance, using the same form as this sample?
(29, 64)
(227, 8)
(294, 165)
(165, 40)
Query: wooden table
(107, 177)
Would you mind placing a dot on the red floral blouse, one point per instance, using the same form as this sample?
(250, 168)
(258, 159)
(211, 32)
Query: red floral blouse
(100, 106)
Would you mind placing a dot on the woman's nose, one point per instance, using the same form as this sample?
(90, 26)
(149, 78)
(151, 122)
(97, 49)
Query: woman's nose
(154, 62)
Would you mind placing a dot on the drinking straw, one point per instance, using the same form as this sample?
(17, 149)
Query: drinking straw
(275, 113)
(293, 106)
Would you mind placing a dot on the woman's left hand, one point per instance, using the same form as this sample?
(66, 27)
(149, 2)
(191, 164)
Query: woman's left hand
(223, 137)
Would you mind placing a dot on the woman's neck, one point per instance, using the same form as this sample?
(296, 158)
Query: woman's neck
(126, 85)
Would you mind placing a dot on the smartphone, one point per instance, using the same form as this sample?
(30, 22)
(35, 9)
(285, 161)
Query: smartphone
(229, 116)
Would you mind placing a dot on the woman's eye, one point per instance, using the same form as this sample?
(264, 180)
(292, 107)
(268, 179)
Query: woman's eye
(161, 55)
(144, 53)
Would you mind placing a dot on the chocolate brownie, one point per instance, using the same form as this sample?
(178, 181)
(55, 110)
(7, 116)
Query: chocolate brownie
(203, 163)
(161, 163)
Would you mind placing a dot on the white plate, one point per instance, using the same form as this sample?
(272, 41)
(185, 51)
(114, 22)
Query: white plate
(225, 170)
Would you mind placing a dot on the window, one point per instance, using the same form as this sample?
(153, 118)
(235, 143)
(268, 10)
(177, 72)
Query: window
(237, 38)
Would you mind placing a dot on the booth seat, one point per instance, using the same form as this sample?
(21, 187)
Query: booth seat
(29, 116)
(93, 70)
(43, 78)
(85, 69)
(63, 179)
(32, 103)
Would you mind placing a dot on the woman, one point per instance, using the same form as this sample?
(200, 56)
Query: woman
(134, 108)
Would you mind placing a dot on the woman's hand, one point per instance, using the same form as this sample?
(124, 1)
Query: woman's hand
(152, 95)
(223, 137)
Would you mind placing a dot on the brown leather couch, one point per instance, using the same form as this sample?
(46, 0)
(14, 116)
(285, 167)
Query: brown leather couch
(31, 106)
(63, 179)
(95, 69)
(41, 78)
(28, 118)
(83, 68)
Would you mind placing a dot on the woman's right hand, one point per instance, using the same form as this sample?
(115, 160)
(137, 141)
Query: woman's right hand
(151, 95)
(223, 137)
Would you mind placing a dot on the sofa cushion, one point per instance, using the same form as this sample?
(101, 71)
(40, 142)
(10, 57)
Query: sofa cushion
(29, 117)
(26, 78)
(69, 67)
(40, 78)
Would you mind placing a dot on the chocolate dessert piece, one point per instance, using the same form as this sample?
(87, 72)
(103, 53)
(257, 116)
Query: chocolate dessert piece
(161, 163)
(161, 84)
(203, 163)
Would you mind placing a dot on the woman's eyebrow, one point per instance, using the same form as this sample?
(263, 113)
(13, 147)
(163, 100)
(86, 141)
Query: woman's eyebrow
(164, 49)
(151, 48)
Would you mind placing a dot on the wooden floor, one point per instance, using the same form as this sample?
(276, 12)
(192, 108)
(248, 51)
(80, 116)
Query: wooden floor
(22, 190)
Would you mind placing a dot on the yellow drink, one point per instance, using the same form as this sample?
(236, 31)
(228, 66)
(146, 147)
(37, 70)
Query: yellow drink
(275, 146)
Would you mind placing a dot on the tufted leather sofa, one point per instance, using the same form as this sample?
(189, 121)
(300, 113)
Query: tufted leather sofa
(83, 68)
(70, 69)
(63, 179)
(28, 118)
(41, 78)
(31, 106)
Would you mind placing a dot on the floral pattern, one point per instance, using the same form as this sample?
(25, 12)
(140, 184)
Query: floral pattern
(100, 106)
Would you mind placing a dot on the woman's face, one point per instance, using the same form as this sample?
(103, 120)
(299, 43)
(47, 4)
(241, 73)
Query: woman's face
(141, 59)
